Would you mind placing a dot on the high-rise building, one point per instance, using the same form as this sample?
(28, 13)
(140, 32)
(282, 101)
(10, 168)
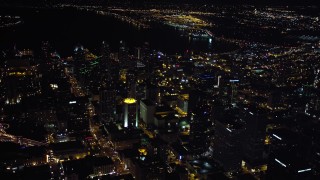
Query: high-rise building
(229, 134)
(45, 51)
(77, 115)
(137, 53)
(21, 78)
(151, 92)
(146, 59)
(147, 110)
(130, 112)
(105, 62)
(201, 122)
(123, 55)
(78, 60)
(183, 102)
(233, 90)
(205, 81)
(131, 83)
(107, 104)
(254, 142)
(109, 78)
(145, 52)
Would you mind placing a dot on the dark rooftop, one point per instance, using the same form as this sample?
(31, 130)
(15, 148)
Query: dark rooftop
(147, 102)
(66, 146)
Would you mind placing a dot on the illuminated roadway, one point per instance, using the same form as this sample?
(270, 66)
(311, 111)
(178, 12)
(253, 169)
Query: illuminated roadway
(76, 89)
(4, 137)
(105, 146)
(107, 149)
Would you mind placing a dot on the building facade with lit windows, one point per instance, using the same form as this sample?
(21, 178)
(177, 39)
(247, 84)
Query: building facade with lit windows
(130, 112)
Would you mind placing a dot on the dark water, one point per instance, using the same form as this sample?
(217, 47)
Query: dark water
(66, 28)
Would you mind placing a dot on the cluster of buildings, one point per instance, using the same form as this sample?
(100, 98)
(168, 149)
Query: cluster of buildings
(143, 114)
(137, 113)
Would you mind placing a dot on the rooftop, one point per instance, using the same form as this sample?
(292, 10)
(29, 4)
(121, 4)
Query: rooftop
(129, 101)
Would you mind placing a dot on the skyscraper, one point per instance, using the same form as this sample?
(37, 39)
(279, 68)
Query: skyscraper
(45, 51)
(123, 55)
(199, 115)
(105, 63)
(78, 60)
(131, 83)
(130, 112)
(108, 80)
(107, 103)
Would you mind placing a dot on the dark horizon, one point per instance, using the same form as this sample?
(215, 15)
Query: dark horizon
(145, 2)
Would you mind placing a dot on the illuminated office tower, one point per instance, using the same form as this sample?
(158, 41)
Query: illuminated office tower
(79, 59)
(317, 78)
(229, 134)
(137, 53)
(130, 112)
(234, 90)
(107, 104)
(105, 62)
(108, 70)
(123, 55)
(145, 52)
(45, 51)
(151, 92)
(131, 83)
(183, 102)
(147, 110)
(20, 78)
(146, 58)
(199, 115)
(77, 115)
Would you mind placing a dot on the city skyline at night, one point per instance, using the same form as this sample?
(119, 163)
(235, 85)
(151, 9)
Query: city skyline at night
(159, 90)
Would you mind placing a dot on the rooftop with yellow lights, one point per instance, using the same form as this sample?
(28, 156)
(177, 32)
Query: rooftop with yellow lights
(129, 100)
